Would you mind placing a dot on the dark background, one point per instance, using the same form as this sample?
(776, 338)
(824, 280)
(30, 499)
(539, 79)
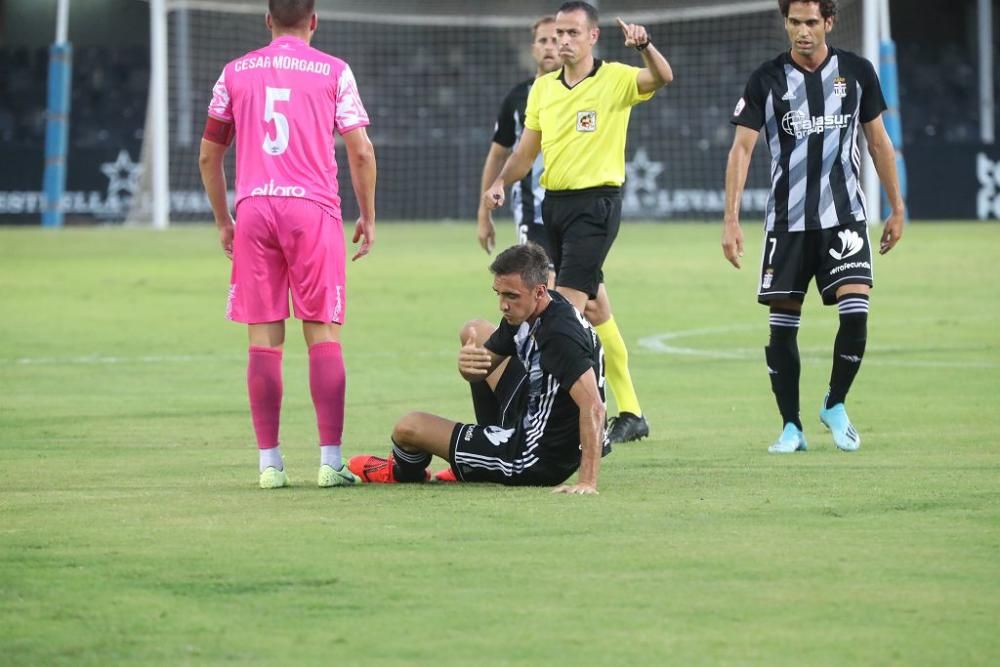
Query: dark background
(433, 91)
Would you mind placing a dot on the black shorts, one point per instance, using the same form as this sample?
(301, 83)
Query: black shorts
(582, 225)
(836, 256)
(532, 232)
(496, 453)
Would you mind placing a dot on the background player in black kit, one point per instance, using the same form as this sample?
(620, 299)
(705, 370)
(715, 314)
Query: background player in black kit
(811, 101)
(538, 391)
(526, 195)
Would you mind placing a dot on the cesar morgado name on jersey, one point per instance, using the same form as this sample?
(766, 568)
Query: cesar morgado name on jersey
(283, 62)
(799, 125)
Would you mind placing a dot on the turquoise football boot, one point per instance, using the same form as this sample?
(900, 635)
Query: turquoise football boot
(845, 436)
(790, 440)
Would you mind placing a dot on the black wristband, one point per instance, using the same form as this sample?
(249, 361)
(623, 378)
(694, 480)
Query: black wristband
(643, 46)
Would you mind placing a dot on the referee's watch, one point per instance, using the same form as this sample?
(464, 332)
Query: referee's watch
(644, 45)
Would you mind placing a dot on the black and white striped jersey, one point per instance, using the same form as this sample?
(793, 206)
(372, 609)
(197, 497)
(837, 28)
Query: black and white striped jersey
(526, 194)
(811, 122)
(556, 350)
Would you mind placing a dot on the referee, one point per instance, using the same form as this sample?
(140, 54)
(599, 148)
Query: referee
(526, 195)
(578, 118)
(813, 101)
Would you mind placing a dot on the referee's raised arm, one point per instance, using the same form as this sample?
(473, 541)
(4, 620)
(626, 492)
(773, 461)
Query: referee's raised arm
(657, 72)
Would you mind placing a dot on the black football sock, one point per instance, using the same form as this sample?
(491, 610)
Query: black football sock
(410, 466)
(849, 346)
(484, 402)
(783, 365)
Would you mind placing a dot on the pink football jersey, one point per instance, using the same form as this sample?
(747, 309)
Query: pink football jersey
(285, 101)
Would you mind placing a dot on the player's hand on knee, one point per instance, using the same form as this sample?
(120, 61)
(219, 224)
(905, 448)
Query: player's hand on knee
(474, 361)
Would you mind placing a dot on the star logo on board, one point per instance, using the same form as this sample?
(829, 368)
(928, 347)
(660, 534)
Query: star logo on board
(123, 174)
(642, 194)
(641, 172)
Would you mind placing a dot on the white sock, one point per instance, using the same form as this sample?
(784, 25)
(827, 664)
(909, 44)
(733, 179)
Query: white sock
(329, 455)
(271, 458)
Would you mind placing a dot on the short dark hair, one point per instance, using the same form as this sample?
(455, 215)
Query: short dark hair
(545, 20)
(527, 260)
(579, 6)
(827, 8)
(291, 13)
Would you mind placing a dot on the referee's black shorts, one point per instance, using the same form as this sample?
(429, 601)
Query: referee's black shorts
(582, 225)
(534, 232)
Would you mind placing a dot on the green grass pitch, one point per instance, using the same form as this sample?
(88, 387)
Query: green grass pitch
(132, 531)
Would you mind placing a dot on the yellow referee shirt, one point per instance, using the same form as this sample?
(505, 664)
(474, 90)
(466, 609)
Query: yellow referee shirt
(583, 128)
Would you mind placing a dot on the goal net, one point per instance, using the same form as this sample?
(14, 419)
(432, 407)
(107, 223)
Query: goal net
(433, 74)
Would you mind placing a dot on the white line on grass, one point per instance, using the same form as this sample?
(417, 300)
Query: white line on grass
(101, 359)
(663, 343)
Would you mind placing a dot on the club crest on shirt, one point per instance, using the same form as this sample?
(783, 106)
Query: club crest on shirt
(840, 86)
(586, 121)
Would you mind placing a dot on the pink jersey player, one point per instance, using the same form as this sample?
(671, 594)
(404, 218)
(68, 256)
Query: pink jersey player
(286, 100)
(283, 103)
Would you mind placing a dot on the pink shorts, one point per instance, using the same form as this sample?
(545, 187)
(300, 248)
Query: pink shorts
(282, 244)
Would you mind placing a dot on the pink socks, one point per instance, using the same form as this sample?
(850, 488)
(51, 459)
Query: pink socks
(327, 382)
(265, 389)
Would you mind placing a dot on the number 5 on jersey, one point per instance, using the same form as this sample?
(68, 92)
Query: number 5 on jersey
(278, 144)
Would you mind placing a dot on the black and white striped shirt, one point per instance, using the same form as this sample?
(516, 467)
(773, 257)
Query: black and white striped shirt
(556, 350)
(526, 194)
(811, 122)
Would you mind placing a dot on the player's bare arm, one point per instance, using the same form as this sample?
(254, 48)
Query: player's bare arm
(516, 167)
(485, 229)
(361, 158)
(213, 177)
(587, 396)
(737, 167)
(884, 156)
(657, 71)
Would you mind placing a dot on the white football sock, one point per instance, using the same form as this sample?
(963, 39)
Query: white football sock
(329, 455)
(271, 458)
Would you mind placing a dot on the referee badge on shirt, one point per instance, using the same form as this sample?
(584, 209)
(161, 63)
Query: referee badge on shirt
(840, 86)
(586, 121)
